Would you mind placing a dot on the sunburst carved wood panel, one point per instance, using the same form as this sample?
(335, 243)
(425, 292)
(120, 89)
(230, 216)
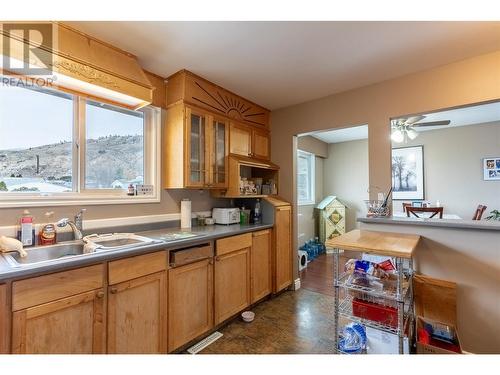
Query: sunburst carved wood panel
(203, 93)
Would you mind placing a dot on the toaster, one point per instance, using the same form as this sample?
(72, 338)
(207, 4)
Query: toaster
(226, 215)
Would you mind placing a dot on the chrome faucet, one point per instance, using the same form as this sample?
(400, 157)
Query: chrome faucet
(79, 219)
(76, 226)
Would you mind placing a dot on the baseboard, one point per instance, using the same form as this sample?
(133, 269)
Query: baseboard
(296, 284)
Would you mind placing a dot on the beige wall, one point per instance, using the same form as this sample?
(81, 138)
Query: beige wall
(459, 256)
(346, 176)
(468, 81)
(170, 203)
(313, 145)
(453, 167)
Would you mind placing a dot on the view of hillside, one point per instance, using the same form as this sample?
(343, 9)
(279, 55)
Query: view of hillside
(109, 160)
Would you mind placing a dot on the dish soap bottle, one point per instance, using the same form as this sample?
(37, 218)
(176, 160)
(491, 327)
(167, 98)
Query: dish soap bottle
(26, 233)
(48, 234)
(256, 213)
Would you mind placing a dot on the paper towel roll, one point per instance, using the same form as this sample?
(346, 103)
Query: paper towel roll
(185, 213)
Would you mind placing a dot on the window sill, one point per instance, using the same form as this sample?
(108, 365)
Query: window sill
(75, 200)
(306, 203)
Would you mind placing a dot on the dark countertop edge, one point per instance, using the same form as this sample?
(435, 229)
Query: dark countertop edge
(440, 223)
(16, 273)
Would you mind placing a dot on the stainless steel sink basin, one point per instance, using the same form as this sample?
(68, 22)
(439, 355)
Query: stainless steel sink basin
(46, 254)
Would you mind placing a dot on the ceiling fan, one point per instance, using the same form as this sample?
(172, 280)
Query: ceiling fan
(404, 128)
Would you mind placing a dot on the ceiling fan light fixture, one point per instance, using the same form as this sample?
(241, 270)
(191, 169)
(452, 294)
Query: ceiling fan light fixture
(412, 134)
(397, 136)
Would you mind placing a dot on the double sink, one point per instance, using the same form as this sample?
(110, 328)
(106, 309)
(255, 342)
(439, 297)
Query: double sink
(83, 248)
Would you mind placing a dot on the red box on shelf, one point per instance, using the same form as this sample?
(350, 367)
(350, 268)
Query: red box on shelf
(375, 312)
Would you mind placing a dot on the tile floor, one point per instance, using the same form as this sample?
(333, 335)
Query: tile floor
(291, 323)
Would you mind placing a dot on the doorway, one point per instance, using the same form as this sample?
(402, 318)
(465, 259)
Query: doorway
(332, 185)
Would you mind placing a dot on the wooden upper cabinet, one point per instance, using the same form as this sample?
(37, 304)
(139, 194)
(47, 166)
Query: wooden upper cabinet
(240, 140)
(249, 141)
(195, 149)
(71, 325)
(260, 144)
(190, 88)
(218, 141)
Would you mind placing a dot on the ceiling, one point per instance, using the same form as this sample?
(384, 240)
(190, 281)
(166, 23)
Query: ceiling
(471, 115)
(343, 135)
(478, 114)
(278, 64)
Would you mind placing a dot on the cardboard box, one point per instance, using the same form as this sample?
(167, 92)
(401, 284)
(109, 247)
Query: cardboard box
(435, 300)
(424, 348)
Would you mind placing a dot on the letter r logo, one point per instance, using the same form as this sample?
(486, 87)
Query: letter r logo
(27, 48)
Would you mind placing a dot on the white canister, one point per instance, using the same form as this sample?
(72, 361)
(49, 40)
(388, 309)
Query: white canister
(186, 213)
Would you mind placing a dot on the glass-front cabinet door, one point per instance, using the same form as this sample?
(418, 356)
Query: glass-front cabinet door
(219, 142)
(195, 148)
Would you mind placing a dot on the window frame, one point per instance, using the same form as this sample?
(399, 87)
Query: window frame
(311, 175)
(80, 195)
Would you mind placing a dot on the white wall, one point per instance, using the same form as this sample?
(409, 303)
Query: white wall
(453, 171)
(346, 176)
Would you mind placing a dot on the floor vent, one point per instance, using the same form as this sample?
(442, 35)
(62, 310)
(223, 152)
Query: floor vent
(204, 343)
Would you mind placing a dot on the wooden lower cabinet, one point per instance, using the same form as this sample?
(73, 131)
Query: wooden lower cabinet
(283, 255)
(232, 283)
(190, 302)
(261, 265)
(4, 320)
(137, 321)
(71, 325)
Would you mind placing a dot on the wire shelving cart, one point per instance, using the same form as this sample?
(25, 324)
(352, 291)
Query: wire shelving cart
(398, 246)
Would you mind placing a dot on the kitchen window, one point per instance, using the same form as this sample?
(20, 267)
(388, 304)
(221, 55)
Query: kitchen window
(305, 178)
(59, 149)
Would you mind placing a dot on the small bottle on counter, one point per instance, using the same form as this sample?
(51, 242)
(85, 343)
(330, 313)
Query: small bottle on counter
(257, 213)
(131, 190)
(48, 234)
(26, 233)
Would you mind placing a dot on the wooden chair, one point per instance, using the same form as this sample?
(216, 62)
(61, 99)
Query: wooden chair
(434, 210)
(479, 212)
(406, 205)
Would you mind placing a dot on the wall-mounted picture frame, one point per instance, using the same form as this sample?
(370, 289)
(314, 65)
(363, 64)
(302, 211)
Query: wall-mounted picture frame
(408, 173)
(491, 169)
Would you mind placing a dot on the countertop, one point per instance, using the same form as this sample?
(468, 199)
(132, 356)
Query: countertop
(443, 223)
(205, 234)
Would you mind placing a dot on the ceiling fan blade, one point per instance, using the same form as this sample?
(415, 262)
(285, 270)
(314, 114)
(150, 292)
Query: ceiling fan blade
(432, 123)
(413, 119)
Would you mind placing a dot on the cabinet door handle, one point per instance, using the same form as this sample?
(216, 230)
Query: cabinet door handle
(113, 290)
(217, 258)
(100, 294)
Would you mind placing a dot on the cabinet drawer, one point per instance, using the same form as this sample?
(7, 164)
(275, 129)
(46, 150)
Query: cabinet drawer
(134, 267)
(190, 255)
(229, 244)
(261, 233)
(43, 289)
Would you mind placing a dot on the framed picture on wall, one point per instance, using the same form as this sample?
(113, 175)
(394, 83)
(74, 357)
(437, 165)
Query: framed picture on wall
(408, 173)
(491, 169)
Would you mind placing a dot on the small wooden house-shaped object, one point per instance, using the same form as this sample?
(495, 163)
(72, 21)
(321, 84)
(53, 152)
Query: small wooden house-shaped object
(331, 218)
